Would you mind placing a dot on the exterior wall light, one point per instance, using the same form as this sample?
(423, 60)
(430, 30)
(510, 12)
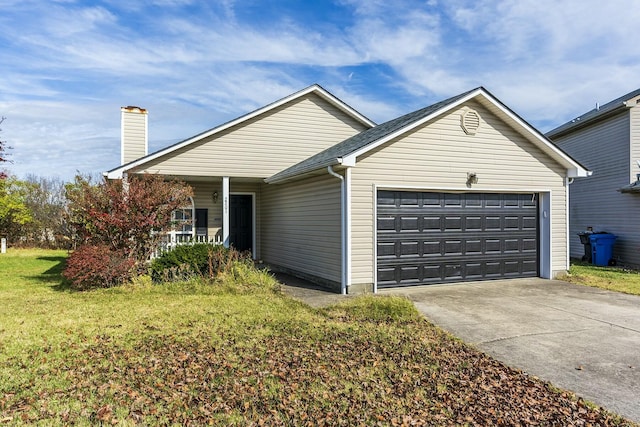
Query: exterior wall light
(472, 178)
(214, 196)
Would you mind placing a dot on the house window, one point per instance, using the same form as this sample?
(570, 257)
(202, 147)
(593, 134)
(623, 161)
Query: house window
(182, 221)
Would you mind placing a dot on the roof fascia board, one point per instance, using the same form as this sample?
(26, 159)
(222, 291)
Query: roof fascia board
(605, 111)
(114, 174)
(342, 106)
(117, 172)
(580, 124)
(278, 180)
(573, 169)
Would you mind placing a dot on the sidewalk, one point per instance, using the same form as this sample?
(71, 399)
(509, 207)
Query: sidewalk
(308, 292)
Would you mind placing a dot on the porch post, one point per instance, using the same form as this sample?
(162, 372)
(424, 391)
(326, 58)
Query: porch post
(225, 211)
(193, 219)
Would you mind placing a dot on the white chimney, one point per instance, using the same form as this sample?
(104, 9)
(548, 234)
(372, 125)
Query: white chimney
(133, 134)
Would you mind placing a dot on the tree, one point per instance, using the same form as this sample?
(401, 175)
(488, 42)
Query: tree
(47, 202)
(14, 212)
(126, 215)
(3, 152)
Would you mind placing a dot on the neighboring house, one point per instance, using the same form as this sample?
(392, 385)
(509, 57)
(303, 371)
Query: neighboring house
(606, 140)
(461, 190)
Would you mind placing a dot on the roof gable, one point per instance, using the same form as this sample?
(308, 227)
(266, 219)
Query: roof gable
(313, 89)
(347, 152)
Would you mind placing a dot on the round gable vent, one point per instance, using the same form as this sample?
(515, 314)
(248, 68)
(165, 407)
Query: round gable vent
(470, 122)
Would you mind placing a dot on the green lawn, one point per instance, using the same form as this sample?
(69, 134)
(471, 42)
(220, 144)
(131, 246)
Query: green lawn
(612, 278)
(240, 353)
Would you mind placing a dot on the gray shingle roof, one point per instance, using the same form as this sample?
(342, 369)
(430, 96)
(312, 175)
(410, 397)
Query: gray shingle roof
(592, 115)
(634, 187)
(331, 155)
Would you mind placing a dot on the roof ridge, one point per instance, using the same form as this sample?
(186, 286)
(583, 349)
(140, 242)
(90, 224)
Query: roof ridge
(362, 139)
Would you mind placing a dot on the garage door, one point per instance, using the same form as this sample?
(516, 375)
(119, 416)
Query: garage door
(425, 238)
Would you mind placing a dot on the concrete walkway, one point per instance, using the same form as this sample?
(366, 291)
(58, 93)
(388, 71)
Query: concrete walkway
(578, 338)
(307, 292)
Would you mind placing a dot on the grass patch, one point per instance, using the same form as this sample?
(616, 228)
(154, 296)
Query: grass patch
(611, 278)
(238, 352)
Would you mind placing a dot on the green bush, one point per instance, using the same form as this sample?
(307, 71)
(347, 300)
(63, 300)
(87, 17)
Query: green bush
(197, 260)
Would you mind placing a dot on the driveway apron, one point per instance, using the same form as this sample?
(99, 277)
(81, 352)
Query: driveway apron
(579, 338)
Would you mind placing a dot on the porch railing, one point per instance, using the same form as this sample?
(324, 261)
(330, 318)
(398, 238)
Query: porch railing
(170, 241)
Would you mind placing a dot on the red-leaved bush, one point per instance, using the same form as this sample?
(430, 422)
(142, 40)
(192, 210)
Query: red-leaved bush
(98, 266)
(117, 225)
(128, 216)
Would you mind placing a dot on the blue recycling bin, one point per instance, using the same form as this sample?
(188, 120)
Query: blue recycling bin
(602, 248)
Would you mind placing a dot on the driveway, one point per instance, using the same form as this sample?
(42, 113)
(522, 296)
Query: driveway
(579, 338)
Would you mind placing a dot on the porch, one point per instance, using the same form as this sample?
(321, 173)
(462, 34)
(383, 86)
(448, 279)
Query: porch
(223, 210)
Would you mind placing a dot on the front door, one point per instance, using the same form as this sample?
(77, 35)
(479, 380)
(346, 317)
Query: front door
(241, 222)
(202, 222)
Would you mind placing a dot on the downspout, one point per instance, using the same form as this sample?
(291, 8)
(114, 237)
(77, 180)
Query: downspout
(347, 227)
(567, 181)
(343, 229)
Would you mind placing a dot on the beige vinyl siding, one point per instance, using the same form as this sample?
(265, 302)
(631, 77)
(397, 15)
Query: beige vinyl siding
(603, 147)
(437, 156)
(203, 199)
(301, 227)
(264, 145)
(134, 134)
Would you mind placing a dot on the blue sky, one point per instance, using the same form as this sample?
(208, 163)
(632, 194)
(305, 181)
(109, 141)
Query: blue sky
(68, 66)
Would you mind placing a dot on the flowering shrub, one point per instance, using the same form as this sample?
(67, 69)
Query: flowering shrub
(98, 266)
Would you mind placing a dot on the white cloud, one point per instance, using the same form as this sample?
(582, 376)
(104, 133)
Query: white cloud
(69, 65)
(57, 138)
(557, 29)
(377, 110)
(64, 23)
(550, 59)
(171, 3)
(396, 43)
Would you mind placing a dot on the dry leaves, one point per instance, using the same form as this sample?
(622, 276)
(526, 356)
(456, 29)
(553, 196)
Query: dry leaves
(336, 372)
